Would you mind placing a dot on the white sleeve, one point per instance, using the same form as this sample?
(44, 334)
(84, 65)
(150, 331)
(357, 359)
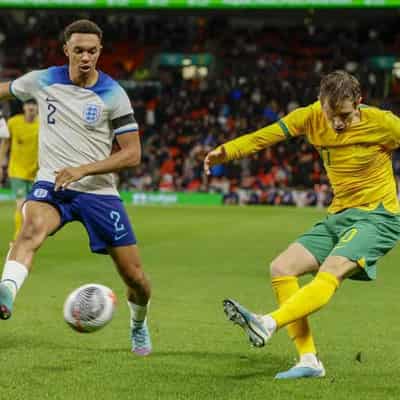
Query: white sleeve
(4, 132)
(121, 104)
(26, 86)
(122, 115)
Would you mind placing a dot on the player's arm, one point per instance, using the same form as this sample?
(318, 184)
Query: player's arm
(5, 131)
(129, 155)
(291, 125)
(5, 91)
(391, 123)
(4, 147)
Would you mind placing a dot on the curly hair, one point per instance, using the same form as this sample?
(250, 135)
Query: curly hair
(82, 26)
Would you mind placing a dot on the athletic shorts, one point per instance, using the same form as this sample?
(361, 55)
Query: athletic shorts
(361, 236)
(103, 216)
(20, 187)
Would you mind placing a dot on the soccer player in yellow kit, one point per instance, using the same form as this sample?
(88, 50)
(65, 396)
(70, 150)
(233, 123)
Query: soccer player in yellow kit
(363, 221)
(23, 162)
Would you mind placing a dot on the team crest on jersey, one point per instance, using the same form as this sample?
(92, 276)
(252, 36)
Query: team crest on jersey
(91, 113)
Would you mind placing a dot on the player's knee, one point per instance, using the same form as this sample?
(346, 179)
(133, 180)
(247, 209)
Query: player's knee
(341, 267)
(33, 232)
(134, 275)
(277, 267)
(280, 267)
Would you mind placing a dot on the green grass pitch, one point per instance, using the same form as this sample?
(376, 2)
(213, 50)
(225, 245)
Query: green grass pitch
(195, 257)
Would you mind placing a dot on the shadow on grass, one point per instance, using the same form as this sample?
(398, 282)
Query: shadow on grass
(54, 368)
(233, 366)
(237, 366)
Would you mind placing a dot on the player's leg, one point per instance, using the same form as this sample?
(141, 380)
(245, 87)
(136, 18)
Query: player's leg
(293, 262)
(110, 232)
(40, 219)
(316, 294)
(128, 263)
(285, 270)
(371, 235)
(300, 258)
(20, 190)
(18, 217)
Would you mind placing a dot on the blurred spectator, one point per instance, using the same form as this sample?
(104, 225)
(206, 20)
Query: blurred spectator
(260, 73)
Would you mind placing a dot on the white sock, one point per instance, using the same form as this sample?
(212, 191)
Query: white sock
(269, 323)
(138, 313)
(309, 358)
(14, 275)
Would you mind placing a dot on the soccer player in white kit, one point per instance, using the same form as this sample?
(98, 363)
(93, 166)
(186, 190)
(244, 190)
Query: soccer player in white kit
(82, 111)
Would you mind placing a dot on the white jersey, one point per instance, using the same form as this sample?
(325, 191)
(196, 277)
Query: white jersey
(77, 125)
(4, 133)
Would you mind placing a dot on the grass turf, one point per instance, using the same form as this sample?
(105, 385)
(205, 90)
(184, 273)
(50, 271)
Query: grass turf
(195, 257)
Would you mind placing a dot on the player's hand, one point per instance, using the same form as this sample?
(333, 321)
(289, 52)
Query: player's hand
(214, 157)
(66, 176)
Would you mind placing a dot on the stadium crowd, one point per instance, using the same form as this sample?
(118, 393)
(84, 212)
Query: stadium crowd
(256, 77)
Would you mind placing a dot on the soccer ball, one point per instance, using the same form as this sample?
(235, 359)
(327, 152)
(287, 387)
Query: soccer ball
(89, 308)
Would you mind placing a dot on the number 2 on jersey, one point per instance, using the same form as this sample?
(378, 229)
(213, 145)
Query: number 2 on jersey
(52, 109)
(116, 216)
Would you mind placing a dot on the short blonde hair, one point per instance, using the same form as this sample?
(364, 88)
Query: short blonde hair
(337, 87)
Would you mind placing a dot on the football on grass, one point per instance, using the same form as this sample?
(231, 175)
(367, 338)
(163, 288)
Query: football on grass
(89, 308)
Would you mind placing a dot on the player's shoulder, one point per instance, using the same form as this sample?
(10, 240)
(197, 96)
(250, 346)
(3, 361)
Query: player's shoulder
(315, 107)
(371, 110)
(37, 74)
(109, 90)
(106, 84)
(308, 111)
(374, 114)
(15, 119)
(48, 76)
(55, 75)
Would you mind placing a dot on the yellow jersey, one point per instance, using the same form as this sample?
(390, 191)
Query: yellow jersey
(358, 161)
(23, 163)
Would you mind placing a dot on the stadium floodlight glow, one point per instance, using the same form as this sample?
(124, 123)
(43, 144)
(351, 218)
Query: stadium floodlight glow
(203, 71)
(189, 72)
(396, 69)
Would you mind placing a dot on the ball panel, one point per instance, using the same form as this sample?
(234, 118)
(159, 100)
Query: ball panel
(89, 307)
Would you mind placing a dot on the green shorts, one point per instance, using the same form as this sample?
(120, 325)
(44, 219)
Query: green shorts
(361, 236)
(20, 187)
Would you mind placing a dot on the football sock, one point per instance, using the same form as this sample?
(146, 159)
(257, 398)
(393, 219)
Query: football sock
(309, 358)
(269, 323)
(17, 222)
(14, 275)
(299, 331)
(138, 313)
(307, 300)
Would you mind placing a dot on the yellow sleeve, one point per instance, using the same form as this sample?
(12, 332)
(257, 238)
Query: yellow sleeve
(392, 137)
(293, 124)
(253, 142)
